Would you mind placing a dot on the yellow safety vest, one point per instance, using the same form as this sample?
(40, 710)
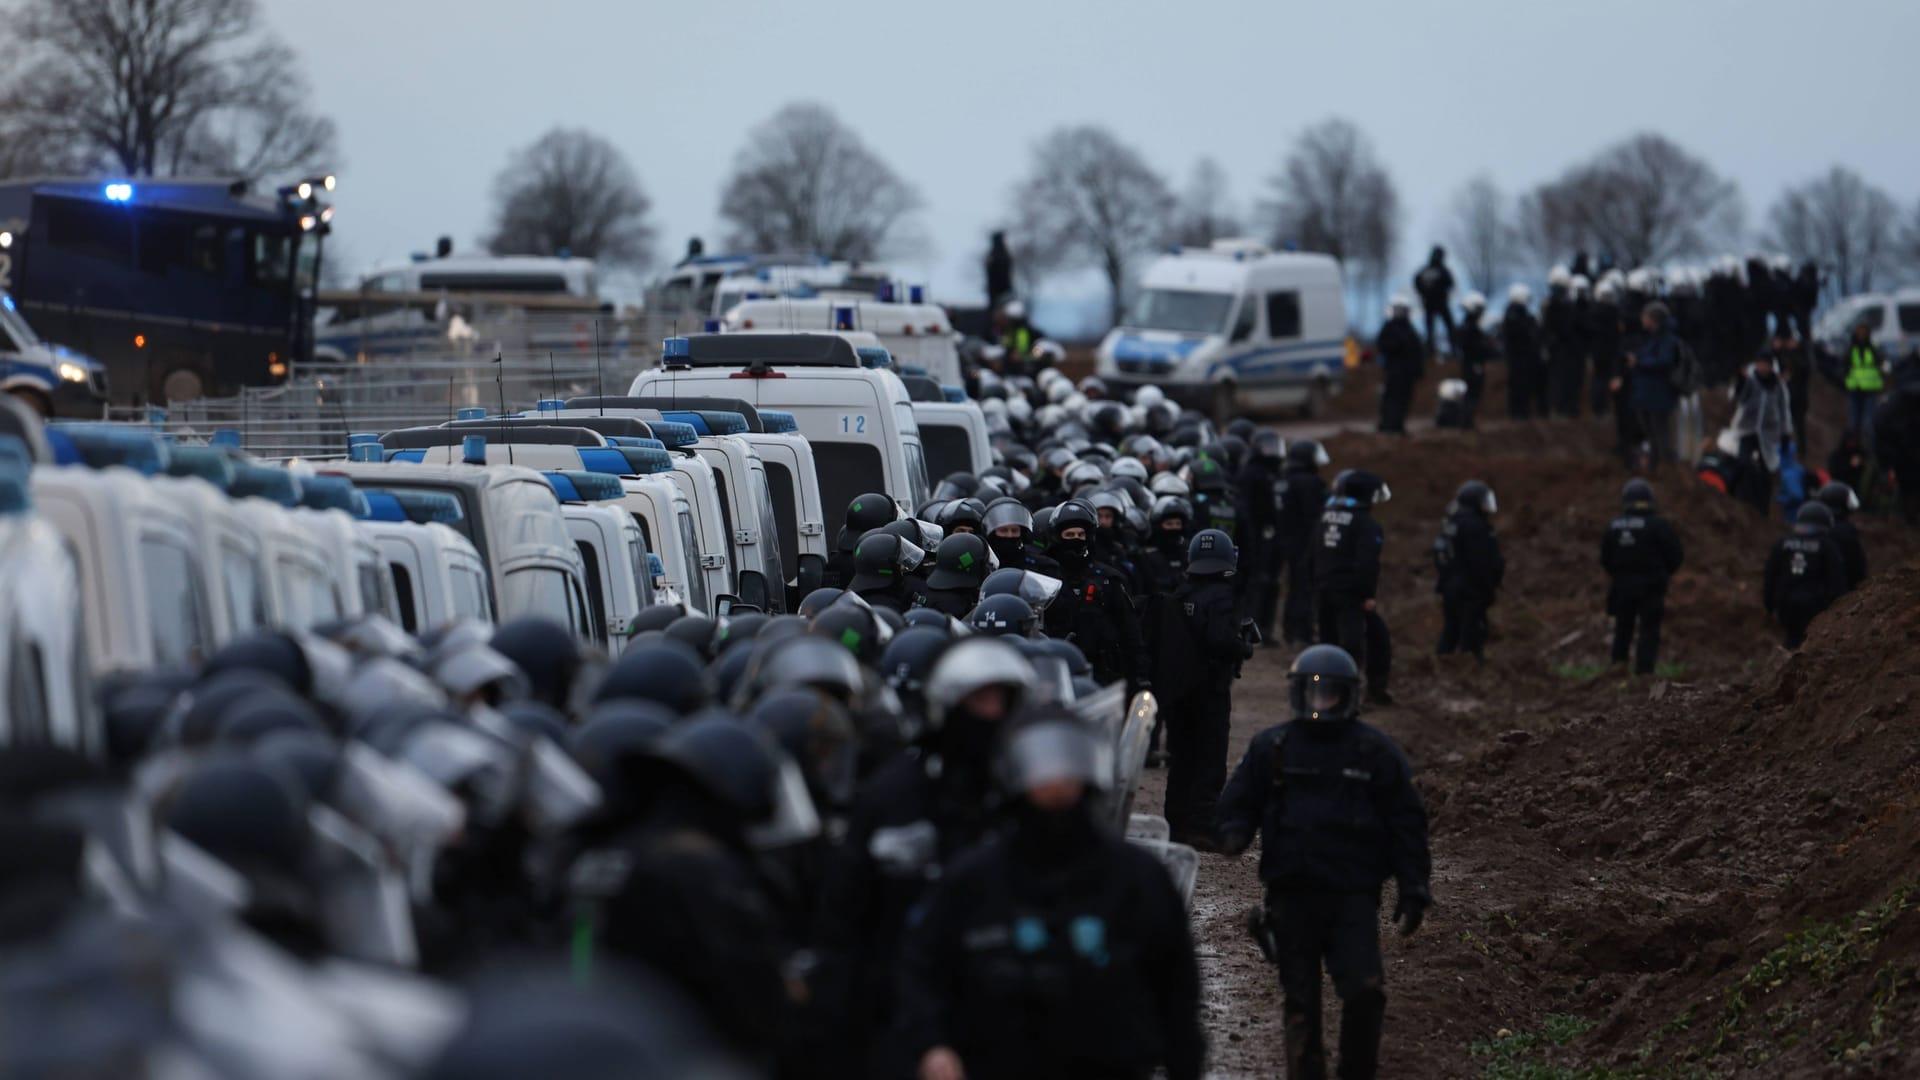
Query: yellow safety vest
(1863, 370)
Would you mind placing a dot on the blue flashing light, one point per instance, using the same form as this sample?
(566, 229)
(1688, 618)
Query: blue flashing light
(843, 318)
(360, 438)
(549, 405)
(874, 357)
(751, 296)
(917, 294)
(410, 457)
(382, 506)
(563, 488)
(206, 462)
(779, 422)
(366, 452)
(694, 420)
(590, 486)
(635, 440)
(474, 413)
(711, 326)
(420, 507)
(6, 301)
(646, 461)
(266, 482)
(676, 348)
(764, 274)
(955, 394)
(14, 457)
(914, 369)
(100, 445)
(473, 449)
(602, 459)
(656, 569)
(675, 435)
(332, 493)
(118, 192)
(227, 437)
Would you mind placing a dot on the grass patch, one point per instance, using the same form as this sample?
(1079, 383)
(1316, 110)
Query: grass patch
(1514, 1055)
(1580, 672)
(1669, 671)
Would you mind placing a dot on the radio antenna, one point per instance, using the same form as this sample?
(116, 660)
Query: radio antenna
(553, 380)
(599, 380)
(500, 380)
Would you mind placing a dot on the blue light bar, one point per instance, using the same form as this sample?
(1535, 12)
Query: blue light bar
(408, 457)
(332, 493)
(226, 437)
(779, 422)
(843, 318)
(645, 460)
(118, 192)
(916, 294)
(205, 462)
(473, 449)
(655, 567)
(265, 482)
(675, 435)
(675, 348)
(419, 507)
(360, 438)
(545, 404)
(914, 369)
(100, 445)
(589, 486)
(382, 506)
(955, 394)
(719, 422)
(635, 440)
(563, 488)
(711, 326)
(886, 292)
(692, 419)
(472, 413)
(367, 452)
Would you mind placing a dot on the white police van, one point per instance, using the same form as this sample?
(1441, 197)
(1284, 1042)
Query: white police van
(438, 576)
(612, 550)
(46, 690)
(52, 379)
(916, 334)
(1232, 327)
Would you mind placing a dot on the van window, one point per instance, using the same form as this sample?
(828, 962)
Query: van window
(1873, 315)
(1909, 318)
(577, 608)
(311, 593)
(534, 513)
(642, 574)
(91, 231)
(246, 600)
(949, 449)
(786, 516)
(542, 284)
(1246, 320)
(726, 507)
(1283, 315)
(696, 575)
(847, 471)
(646, 533)
(538, 590)
(26, 692)
(403, 589)
(770, 549)
(469, 595)
(596, 589)
(174, 616)
(372, 599)
(1181, 311)
(918, 492)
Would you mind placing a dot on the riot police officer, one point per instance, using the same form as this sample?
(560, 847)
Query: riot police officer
(960, 565)
(1093, 609)
(864, 514)
(1475, 350)
(1841, 500)
(1214, 505)
(1346, 569)
(1467, 556)
(1256, 493)
(1301, 495)
(1640, 552)
(883, 566)
(1056, 949)
(1334, 802)
(1009, 526)
(1199, 647)
(1805, 572)
(1163, 565)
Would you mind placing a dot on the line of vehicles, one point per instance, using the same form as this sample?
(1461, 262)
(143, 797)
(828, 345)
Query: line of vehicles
(718, 482)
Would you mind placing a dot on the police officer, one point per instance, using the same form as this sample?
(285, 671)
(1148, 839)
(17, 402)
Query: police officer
(864, 514)
(1334, 802)
(883, 566)
(1198, 648)
(1345, 554)
(1163, 564)
(1009, 526)
(1093, 609)
(960, 565)
(1520, 340)
(1256, 490)
(1302, 496)
(1841, 500)
(1474, 349)
(1057, 949)
(1560, 325)
(1214, 506)
(1805, 572)
(1467, 556)
(1640, 552)
(1401, 357)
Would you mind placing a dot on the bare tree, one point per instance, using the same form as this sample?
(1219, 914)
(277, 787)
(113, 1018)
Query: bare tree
(571, 192)
(805, 182)
(1907, 243)
(1839, 221)
(1206, 213)
(155, 87)
(1643, 200)
(1332, 194)
(1483, 234)
(1091, 200)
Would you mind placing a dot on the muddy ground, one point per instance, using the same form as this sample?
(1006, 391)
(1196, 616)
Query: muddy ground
(1701, 874)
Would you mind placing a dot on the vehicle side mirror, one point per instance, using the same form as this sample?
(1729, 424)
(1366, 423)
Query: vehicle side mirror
(725, 604)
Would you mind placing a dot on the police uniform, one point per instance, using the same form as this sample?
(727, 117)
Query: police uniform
(1196, 660)
(1257, 496)
(1641, 551)
(1471, 568)
(1301, 495)
(1094, 611)
(1338, 816)
(1345, 556)
(1805, 573)
(1476, 350)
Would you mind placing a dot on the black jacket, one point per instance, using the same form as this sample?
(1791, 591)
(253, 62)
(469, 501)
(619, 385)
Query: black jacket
(1558, 318)
(1433, 283)
(1345, 552)
(958, 603)
(1196, 642)
(1095, 612)
(1805, 570)
(1520, 336)
(1336, 809)
(1400, 350)
(1031, 965)
(1257, 504)
(1640, 551)
(1851, 552)
(1302, 496)
(1471, 566)
(1603, 333)
(1476, 351)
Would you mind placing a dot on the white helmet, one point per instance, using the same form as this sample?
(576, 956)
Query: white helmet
(1519, 294)
(1474, 302)
(1730, 266)
(1781, 262)
(1453, 389)
(1400, 302)
(1581, 286)
(1148, 396)
(1558, 276)
(1640, 279)
(1015, 309)
(1607, 291)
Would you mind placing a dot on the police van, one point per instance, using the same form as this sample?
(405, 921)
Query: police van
(859, 421)
(916, 334)
(51, 379)
(1231, 327)
(44, 672)
(952, 429)
(438, 576)
(612, 550)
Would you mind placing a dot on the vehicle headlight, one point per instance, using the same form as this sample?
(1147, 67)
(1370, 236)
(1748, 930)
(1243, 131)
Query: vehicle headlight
(72, 372)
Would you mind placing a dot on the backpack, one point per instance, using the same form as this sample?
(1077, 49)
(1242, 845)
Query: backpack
(1684, 376)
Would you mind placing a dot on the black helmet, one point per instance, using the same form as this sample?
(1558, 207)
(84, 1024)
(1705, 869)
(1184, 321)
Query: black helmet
(1476, 494)
(544, 651)
(536, 718)
(1241, 427)
(997, 616)
(929, 619)
(1307, 452)
(967, 514)
(1318, 667)
(960, 485)
(1208, 472)
(880, 560)
(971, 665)
(865, 514)
(133, 711)
(739, 629)
(268, 651)
(820, 600)
(614, 731)
(810, 661)
(1268, 445)
(1234, 449)
(1037, 589)
(696, 632)
(912, 530)
(1074, 513)
(909, 659)
(1637, 495)
(668, 673)
(1069, 654)
(734, 763)
(656, 617)
(1361, 486)
(855, 627)
(1211, 552)
(1814, 515)
(1169, 507)
(959, 563)
(266, 710)
(248, 813)
(1839, 498)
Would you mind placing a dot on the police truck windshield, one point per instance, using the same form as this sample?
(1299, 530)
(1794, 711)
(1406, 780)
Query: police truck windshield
(1180, 311)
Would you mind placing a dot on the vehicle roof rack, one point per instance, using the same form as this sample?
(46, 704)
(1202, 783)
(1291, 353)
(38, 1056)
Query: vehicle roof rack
(605, 426)
(526, 434)
(675, 403)
(774, 350)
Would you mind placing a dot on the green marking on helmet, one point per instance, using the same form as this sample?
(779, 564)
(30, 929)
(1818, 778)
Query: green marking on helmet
(856, 508)
(851, 639)
(966, 560)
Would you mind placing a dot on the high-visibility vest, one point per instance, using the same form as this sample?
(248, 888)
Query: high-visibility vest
(1863, 370)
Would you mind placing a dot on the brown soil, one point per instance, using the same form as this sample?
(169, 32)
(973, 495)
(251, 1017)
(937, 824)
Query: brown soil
(1620, 866)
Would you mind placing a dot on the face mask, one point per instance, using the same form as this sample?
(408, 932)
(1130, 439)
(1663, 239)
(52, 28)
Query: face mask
(1053, 835)
(1173, 542)
(1008, 548)
(1071, 553)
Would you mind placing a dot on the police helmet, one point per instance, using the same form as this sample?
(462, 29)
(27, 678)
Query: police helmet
(248, 813)
(1637, 495)
(1042, 526)
(1050, 745)
(731, 761)
(737, 630)
(958, 485)
(962, 515)
(1112, 502)
(819, 600)
(932, 619)
(810, 661)
(880, 560)
(668, 673)
(1069, 654)
(921, 536)
(855, 627)
(1037, 589)
(1082, 474)
(972, 665)
(960, 562)
(1813, 514)
(1002, 513)
(1003, 615)
(614, 731)
(1520, 295)
(1074, 514)
(544, 651)
(1839, 498)
(1170, 507)
(656, 617)
(696, 632)
(1208, 473)
(909, 659)
(1362, 486)
(1268, 445)
(268, 651)
(1399, 304)
(1167, 483)
(1128, 468)
(866, 513)
(1211, 552)
(1474, 302)
(1478, 495)
(1324, 685)
(266, 710)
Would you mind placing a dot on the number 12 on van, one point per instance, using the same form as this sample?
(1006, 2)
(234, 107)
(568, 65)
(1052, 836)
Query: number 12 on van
(854, 424)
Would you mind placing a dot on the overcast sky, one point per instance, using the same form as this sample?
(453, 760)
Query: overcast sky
(431, 95)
